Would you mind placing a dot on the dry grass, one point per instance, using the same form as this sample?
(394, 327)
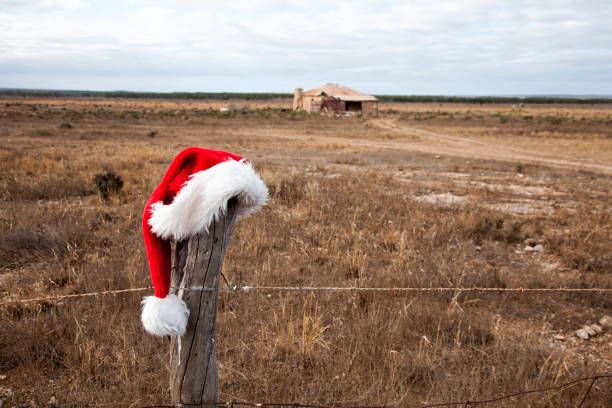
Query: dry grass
(343, 212)
(577, 132)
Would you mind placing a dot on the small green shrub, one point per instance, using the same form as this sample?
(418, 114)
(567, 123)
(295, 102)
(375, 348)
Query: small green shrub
(108, 183)
(520, 168)
(494, 226)
(554, 120)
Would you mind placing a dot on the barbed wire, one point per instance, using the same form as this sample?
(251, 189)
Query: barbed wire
(404, 289)
(466, 403)
(560, 388)
(72, 296)
(247, 288)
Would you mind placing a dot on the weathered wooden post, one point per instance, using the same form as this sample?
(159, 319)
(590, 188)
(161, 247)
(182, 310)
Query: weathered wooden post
(196, 205)
(193, 361)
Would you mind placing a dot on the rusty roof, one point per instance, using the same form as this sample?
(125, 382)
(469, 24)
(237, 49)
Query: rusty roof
(339, 92)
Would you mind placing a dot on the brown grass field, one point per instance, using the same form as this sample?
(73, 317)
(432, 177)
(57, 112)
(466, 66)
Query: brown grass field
(421, 195)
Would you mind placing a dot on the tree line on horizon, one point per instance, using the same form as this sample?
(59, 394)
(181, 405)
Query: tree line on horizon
(279, 95)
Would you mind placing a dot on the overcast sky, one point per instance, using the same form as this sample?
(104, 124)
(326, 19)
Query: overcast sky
(468, 47)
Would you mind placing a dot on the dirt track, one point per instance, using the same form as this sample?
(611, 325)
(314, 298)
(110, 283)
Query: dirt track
(426, 141)
(434, 142)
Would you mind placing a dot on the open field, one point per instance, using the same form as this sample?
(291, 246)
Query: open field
(422, 195)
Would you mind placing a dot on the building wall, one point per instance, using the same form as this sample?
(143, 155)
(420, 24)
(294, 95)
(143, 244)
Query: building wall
(333, 105)
(317, 103)
(298, 102)
(312, 103)
(369, 106)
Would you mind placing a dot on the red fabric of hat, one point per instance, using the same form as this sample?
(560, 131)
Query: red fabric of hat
(194, 191)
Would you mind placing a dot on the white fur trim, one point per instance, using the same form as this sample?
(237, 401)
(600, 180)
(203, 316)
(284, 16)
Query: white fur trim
(164, 316)
(204, 197)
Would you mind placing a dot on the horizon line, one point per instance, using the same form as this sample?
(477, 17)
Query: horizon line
(125, 91)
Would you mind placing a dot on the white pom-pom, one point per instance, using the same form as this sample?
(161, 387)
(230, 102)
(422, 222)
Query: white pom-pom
(164, 316)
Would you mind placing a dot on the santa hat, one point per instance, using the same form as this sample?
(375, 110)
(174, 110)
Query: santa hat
(194, 191)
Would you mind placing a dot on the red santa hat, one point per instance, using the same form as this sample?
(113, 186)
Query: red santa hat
(195, 189)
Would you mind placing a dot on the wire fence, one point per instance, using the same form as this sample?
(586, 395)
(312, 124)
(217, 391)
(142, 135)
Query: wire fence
(252, 289)
(467, 403)
(246, 288)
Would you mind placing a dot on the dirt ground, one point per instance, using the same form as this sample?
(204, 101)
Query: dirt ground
(421, 195)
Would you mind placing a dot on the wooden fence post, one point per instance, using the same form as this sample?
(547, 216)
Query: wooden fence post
(193, 360)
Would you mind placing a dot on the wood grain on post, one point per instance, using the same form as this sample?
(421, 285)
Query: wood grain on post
(193, 359)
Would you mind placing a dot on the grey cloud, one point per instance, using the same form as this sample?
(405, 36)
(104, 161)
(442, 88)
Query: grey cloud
(471, 47)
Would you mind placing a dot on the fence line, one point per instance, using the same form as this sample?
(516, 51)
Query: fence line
(72, 296)
(466, 403)
(246, 288)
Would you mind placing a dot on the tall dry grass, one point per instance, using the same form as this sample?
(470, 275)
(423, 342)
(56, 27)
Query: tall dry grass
(343, 221)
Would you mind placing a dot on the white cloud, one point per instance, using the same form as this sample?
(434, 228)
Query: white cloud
(65, 4)
(385, 47)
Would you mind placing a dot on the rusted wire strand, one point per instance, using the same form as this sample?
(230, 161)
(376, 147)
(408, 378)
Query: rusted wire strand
(586, 394)
(404, 289)
(246, 288)
(72, 296)
(561, 388)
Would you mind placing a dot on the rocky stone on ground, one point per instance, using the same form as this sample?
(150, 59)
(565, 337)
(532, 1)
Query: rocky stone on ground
(606, 321)
(559, 337)
(6, 392)
(588, 331)
(536, 248)
(597, 328)
(582, 334)
(591, 332)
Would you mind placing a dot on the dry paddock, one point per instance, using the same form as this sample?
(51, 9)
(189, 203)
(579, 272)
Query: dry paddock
(422, 195)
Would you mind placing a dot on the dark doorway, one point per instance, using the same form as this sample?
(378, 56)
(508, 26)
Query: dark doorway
(353, 106)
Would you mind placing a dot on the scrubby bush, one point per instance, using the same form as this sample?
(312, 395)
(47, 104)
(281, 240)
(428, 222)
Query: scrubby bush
(108, 183)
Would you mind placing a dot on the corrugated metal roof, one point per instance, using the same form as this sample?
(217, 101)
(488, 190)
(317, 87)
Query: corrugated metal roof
(339, 92)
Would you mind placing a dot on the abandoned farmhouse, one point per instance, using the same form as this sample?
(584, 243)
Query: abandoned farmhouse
(334, 98)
